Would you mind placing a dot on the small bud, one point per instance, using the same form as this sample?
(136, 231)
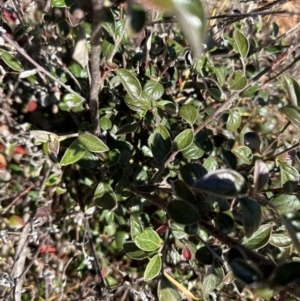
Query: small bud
(186, 253)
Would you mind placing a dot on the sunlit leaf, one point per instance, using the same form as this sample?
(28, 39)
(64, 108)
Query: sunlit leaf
(153, 267)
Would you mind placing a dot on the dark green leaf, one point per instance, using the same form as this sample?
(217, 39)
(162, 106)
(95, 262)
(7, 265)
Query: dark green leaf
(183, 140)
(148, 240)
(153, 267)
(191, 173)
(286, 273)
(244, 271)
(252, 140)
(127, 128)
(113, 157)
(237, 81)
(130, 83)
(252, 215)
(183, 192)
(137, 17)
(223, 183)
(225, 222)
(205, 256)
(293, 115)
(261, 175)
(168, 106)
(105, 197)
(73, 154)
(183, 212)
(160, 143)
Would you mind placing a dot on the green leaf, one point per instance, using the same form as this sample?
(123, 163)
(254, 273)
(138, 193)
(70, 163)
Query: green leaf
(58, 3)
(193, 152)
(213, 278)
(191, 17)
(135, 225)
(280, 240)
(130, 83)
(286, 273)
(105, 124)
(113, 157)
(153, 267)
(261, 175)
(189, 113)
(92, 143)
(133, 251)
(252, 215)
(289, 177)
(205, 256)
(183, 192)
(191, 173)
(182, 212)
(168, 106)
(234, 121)
(11, 61)
(73, 154)
(225, 222)
(285, 203)
(259, 238)
(293, 115)
(244, 153)
(292, 89)
(244, 271)
(252, 140)
(143, 103)
(183, 140)
(241, 42)
(237, 81)
(166, 291)
(153, 89)
(127, 128)
(137, 17)
(219, 72)
(160, 143)
(41, 136)
(223, 183)
(105, 197)
(210, 164)
(148, 240)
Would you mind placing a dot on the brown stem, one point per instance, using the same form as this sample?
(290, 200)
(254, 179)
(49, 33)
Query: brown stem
(98, 8)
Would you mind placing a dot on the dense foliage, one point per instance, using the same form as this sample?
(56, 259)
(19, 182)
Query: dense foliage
(149, 152)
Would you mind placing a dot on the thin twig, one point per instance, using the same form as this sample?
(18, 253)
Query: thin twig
(35, 64)
(226, 105)
(97, 6)
(24, 192)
